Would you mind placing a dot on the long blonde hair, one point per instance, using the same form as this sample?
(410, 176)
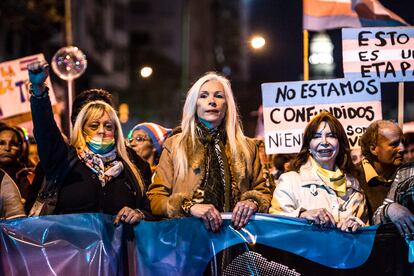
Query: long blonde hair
(235, 136)
(97, 109)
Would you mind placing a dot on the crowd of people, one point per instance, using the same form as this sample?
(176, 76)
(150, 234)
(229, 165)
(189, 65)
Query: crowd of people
(202, 168)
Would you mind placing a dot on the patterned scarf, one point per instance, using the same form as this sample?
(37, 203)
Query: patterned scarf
(216, 184)
(104, 165)
(334, 179)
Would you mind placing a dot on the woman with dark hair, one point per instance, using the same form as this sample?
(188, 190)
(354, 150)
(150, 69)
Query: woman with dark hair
(320, 186)
(210, 167)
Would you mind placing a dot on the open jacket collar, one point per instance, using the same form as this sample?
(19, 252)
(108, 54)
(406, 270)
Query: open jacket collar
(308, 176)
(196, 161)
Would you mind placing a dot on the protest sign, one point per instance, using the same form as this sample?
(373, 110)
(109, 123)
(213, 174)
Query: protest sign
(289, 106)
(14, 87)
(384, 53)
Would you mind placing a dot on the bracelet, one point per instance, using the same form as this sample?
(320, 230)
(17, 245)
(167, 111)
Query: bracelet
(140, 212)
(254, 201)
(44, 94)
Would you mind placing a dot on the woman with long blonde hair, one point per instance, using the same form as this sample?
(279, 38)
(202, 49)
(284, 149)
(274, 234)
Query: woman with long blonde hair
(91, 174)
(210, 167)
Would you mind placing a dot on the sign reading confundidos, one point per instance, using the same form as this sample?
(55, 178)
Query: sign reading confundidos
(289, 106)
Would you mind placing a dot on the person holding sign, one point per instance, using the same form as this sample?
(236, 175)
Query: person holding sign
(320, 187)
(210, 167)
(94, 172)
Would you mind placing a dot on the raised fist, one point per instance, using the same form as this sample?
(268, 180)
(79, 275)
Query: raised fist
(38, 72)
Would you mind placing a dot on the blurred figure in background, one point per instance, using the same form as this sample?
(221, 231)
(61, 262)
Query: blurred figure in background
(266, 161)
(382, 148)
(11, 205)
(409, 146)
(356, 155)
(14, 157)
(281, 163)
(147, 140)
(33, 158)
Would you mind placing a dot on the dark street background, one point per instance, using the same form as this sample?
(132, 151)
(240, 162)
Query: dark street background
(180, 40)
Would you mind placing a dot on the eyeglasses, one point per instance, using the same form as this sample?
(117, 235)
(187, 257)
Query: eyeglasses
(139, 139)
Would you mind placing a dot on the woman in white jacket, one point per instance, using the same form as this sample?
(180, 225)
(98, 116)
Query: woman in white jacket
(320, 186)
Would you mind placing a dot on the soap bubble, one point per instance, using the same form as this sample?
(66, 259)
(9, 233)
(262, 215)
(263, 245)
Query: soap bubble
(69, 63)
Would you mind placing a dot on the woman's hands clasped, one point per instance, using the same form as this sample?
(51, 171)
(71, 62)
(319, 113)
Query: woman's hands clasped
(129, 216)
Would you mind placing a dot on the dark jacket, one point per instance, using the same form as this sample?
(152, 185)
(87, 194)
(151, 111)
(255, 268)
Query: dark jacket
(401, 192)
(375, 190)
(78, 188)
(39, 178)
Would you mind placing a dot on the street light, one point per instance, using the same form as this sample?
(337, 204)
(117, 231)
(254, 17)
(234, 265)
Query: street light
(146, 71)
(257, 42)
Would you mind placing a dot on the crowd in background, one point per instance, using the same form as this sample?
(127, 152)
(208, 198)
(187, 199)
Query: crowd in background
(201, 168)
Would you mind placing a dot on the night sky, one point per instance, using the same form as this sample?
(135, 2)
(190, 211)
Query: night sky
(281, 23)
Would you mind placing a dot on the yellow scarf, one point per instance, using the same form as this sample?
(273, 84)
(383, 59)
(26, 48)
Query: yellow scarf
(334, 179)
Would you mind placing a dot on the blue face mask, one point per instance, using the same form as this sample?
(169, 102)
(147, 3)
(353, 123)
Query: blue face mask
(100, 145)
